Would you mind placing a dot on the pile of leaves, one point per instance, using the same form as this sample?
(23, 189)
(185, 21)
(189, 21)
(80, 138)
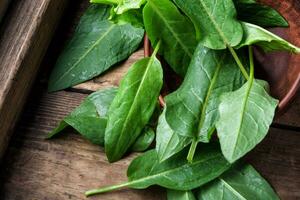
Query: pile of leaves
(209, 45)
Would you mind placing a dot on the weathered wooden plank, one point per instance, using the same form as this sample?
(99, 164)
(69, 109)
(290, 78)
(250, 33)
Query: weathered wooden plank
(62, 168)
(25, 35)
(65, 167)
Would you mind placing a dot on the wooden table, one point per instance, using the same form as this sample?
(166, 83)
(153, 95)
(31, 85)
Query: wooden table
(63, 168)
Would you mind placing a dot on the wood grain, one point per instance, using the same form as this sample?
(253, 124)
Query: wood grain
(63, 168)
(25, 35)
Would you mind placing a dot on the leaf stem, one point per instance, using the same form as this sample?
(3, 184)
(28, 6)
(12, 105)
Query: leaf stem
(251, 62)
(156, 49)
(238, 62)
(192, 150)
(106, 189)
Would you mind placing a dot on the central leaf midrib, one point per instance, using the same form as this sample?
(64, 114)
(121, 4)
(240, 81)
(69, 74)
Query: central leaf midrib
(186, 49)
(227, 185)
(86, 53)
(170, 171)
(214, 22)
(211, 86)
(244, 106)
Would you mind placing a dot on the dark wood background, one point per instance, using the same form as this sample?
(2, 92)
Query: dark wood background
(65, 167)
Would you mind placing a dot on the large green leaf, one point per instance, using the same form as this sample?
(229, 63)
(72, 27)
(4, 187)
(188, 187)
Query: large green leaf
(265, 39)
(215, 21)
(90, 118)
(180, 195)
(245, 117)
(175, 173)
(163, 21)
(242, 182)
(133, 106)
(192, 110)
(258, 14)
(97, 44)
(168, 142)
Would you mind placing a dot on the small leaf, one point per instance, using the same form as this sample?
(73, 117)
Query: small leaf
(164, 22)
(122, 6)
(89, 119)
(258, 14)
(144, 141)
(168, 143)
(215, 21)
(192, 110)
(97, 45)
(133, 106)
(242, 182)
(175, 173)
(180, 195)
(245, 117)
(265, 39)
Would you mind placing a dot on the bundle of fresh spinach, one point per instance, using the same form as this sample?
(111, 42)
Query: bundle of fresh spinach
(207, 43)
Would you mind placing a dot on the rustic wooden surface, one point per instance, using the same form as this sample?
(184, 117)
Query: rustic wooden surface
(63, 168)
(25, 34)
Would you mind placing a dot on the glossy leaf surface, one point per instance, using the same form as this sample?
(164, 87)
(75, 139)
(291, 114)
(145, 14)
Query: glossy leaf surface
(265, 39)
(192, 110)
(168, 142)
(245, 117)
(259, 14)
(175, 173)
(215, 21)
(242, 182)
(133, 106)
(180, 195)
(97, 44)
(163, 21)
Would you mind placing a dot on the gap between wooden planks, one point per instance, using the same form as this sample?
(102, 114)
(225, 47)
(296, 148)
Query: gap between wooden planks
(24, 37)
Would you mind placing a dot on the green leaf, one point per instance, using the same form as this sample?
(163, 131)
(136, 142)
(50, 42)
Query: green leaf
(215, 21)
(168, 143)
(163, 21)
(245, 117)
(175, 173)
(258, 14)
(126, 5)
(133, 17)
(265, 39)
(242, 182)
(97, 44)
(180, 195)
(144, 141)
(133, 106)
(192, 110)
(122, 6)
(90, 118)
